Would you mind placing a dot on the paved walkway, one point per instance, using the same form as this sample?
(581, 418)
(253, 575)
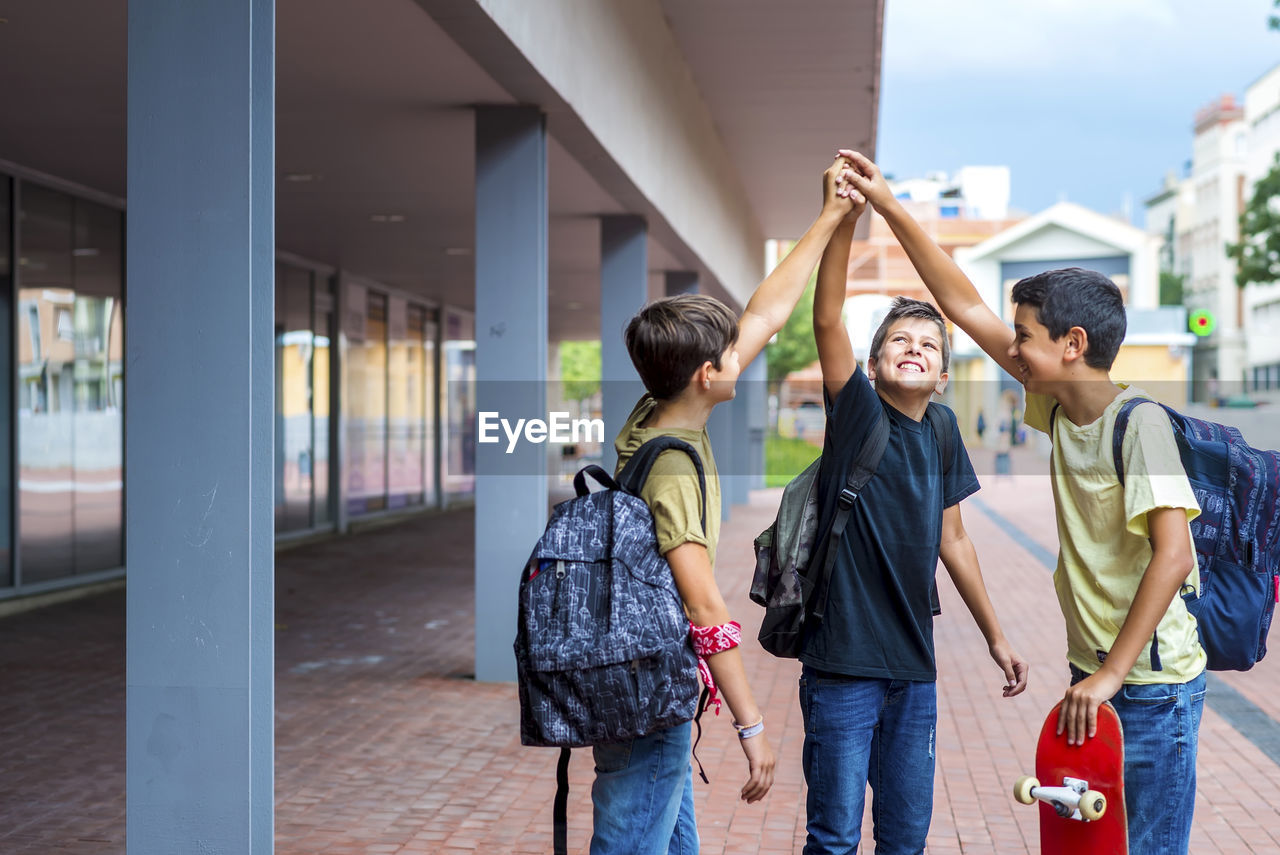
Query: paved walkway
(385, 744)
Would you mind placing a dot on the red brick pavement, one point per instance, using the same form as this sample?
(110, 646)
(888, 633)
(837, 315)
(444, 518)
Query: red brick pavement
(385, 744)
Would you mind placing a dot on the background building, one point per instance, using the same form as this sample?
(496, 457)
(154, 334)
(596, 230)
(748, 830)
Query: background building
(1156, 350)
(1262, 302)
(1217, 177)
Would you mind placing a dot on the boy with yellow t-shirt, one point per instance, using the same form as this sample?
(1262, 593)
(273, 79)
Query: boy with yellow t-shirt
(1126, 550)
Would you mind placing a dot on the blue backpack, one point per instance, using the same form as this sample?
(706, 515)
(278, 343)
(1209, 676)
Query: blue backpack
(1237, 535)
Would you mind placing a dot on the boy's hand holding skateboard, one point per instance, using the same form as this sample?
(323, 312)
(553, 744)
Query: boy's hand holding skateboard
(1078, 715)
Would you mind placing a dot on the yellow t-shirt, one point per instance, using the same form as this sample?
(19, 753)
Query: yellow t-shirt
(671, 490)
(1102, 530)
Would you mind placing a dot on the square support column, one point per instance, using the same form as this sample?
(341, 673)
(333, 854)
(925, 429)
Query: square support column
(198, 427)
(720, 427)
(511, 367)
(624, 289)
(680, 282)
(756, 378)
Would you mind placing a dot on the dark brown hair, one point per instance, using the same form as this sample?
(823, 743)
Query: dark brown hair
(905, 307)
(669, 339)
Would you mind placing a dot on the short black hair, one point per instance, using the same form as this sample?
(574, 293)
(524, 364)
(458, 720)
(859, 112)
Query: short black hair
(905, 307)
(1075, 297)
(670, 338)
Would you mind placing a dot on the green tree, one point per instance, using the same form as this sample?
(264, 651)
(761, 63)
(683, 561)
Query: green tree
(1274, 21)
(1171, 288)
(1257, 255)
(580, 369)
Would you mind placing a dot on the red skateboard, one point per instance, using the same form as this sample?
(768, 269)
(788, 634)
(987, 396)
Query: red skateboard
(1080, 789)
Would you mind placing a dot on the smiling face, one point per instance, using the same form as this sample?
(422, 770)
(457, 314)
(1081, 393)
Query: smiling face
(1039, 357)
(910, 358)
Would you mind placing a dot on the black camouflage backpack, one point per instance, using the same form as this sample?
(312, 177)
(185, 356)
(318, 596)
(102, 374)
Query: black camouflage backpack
(602, 646)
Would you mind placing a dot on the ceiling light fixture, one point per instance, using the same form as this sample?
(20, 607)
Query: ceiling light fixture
(387, 218)
(457, 250)
(301, 177)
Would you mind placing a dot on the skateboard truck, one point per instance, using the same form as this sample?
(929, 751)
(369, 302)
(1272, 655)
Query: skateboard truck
(1073, 800)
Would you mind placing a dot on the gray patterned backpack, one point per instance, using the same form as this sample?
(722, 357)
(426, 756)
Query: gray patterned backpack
(602, 646)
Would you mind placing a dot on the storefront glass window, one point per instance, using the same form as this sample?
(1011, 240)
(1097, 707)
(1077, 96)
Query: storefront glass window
(6, 386)
(70, 386)
(294, 354)
(320, 384)
(405, 386)
(458, 404)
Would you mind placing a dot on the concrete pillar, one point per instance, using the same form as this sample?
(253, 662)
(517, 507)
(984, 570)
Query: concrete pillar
(624, 289)
(753, 391)
(511, 366)
(199, 527)
(681, 282)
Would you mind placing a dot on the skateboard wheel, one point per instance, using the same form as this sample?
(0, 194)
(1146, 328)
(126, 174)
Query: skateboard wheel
(1022, 789)
(1093, 805)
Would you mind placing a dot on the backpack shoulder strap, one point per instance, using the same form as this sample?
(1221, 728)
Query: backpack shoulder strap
(1117, 433)
(942, 433)
(636, 472)
(864, 466)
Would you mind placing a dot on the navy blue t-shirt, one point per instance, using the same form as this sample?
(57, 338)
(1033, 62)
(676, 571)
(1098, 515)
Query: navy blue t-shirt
(879, 622)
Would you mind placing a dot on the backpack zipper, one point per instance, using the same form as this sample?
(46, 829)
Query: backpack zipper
(555, 598)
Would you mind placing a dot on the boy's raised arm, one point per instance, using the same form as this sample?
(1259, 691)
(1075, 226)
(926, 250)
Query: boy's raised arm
(773, 301)
(955, 294)
(835, 352)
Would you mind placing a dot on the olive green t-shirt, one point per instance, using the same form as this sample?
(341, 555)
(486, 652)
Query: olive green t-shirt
(671, 491)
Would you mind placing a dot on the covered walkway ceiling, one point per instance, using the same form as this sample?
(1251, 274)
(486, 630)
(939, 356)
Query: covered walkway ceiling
(375, 134)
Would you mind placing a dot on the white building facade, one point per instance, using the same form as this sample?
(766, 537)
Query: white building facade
(1262, 302)
(1217, 178)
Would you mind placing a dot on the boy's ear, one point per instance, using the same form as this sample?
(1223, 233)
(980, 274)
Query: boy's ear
(1076, 344)
(702, 377)
(871, 368)
(941, 385)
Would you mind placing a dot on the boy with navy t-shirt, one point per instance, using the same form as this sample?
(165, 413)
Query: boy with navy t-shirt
(868, 684)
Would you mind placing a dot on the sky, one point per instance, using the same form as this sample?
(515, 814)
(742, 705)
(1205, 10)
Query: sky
(1091, 101)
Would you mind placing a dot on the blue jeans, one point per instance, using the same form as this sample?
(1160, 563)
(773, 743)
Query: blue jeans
(643, 796)
(859, 731)
(1161, 736)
